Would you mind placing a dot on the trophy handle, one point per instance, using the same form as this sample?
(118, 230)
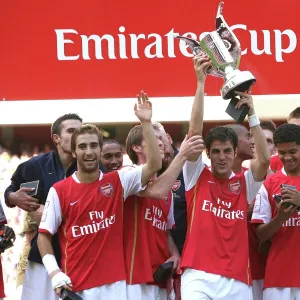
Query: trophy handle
(228, 37)
(197, 49)
(193, 44)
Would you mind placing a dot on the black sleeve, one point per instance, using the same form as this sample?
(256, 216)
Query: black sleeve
(25, 172)
(16, 180)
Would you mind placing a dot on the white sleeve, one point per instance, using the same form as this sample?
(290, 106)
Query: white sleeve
(251, 186)
(51, 218)
(131, 180)
(192, 171)
(262, 211)
(171, 220)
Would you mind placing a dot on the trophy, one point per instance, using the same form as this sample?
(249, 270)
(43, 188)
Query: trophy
(224, 50)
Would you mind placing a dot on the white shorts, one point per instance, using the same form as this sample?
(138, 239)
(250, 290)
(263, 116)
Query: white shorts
(37, 284)
(112, 291)
(257, 289)
(282, 294)
(199, 285)
(145, 292)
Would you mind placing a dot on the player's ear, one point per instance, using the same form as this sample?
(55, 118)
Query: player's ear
(74, 155)
(136, 148)
(207, 153)
(55, 139)
(235, 152)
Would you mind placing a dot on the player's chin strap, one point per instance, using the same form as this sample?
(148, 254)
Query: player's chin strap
(60, 279)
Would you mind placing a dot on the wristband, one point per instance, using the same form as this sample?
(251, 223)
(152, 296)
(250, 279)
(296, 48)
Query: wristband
(253, 120)
(50, 263)
(60, 279)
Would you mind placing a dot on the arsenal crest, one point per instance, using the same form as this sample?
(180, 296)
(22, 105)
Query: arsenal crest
(107, 189)
(176, 185)
(235, 187)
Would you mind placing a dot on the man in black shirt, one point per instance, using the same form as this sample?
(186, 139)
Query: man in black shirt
(48, 169)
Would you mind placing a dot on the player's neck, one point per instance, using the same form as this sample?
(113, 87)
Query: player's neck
(84, 177)
(237, 165)
(294, 173)
(66, 159)
(141, 160)
(221, 176)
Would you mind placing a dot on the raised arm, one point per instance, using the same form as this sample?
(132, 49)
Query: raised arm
(260, 164)
(190, 147)
(143, 110)
(201, 64)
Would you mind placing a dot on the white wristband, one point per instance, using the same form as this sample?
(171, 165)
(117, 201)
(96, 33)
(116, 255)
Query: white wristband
(253, 120)
(60, 279)
(50, 263)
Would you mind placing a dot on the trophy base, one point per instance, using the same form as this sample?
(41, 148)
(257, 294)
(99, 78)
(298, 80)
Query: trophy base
(238, 115)
(239, 81)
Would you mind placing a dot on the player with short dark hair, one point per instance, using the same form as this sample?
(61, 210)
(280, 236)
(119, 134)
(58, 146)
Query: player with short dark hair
(111, 155)
(47, 168)
(293, 118)
(278, 219)
(215, 259)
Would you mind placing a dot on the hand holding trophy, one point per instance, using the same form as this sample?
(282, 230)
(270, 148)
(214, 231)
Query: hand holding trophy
(224, 50)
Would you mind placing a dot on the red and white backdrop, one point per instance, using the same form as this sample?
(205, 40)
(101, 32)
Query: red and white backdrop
(111, 49)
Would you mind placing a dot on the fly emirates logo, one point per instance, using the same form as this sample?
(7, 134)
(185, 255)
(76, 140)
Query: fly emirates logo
(222, 210)
(98, 222)
(292, 221)
(74, 45)
(155, 216)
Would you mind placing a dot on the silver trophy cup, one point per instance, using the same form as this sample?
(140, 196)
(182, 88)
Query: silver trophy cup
(224, 50)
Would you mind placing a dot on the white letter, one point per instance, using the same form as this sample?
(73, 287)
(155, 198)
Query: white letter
(134, 39)
(267, 42)
(183, 46)
(148, 214)
(205, 203)
(91, 213)
(170, 36)
(122, 43)
(74, 229)
(278, 43)
(157, 45)
(98, 46)
(240, 26)
(60, 44)
(87, 229)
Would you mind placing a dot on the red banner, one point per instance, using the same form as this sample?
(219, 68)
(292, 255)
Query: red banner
(109, 49)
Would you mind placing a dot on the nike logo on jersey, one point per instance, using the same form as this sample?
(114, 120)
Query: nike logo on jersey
(211, 181)
(50, 173)
(72, 203)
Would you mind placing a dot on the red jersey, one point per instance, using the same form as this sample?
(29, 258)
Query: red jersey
(281, 269)
(257, 259)
(217, 239)
(275, 163)
(89, 221)
(145, 236)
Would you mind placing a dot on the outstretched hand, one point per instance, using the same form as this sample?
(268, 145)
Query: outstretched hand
(143, 109)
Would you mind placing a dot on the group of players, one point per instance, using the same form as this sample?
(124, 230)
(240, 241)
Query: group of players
(229, 231)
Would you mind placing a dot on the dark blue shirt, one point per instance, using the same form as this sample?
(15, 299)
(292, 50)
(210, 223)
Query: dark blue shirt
(48, 169)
